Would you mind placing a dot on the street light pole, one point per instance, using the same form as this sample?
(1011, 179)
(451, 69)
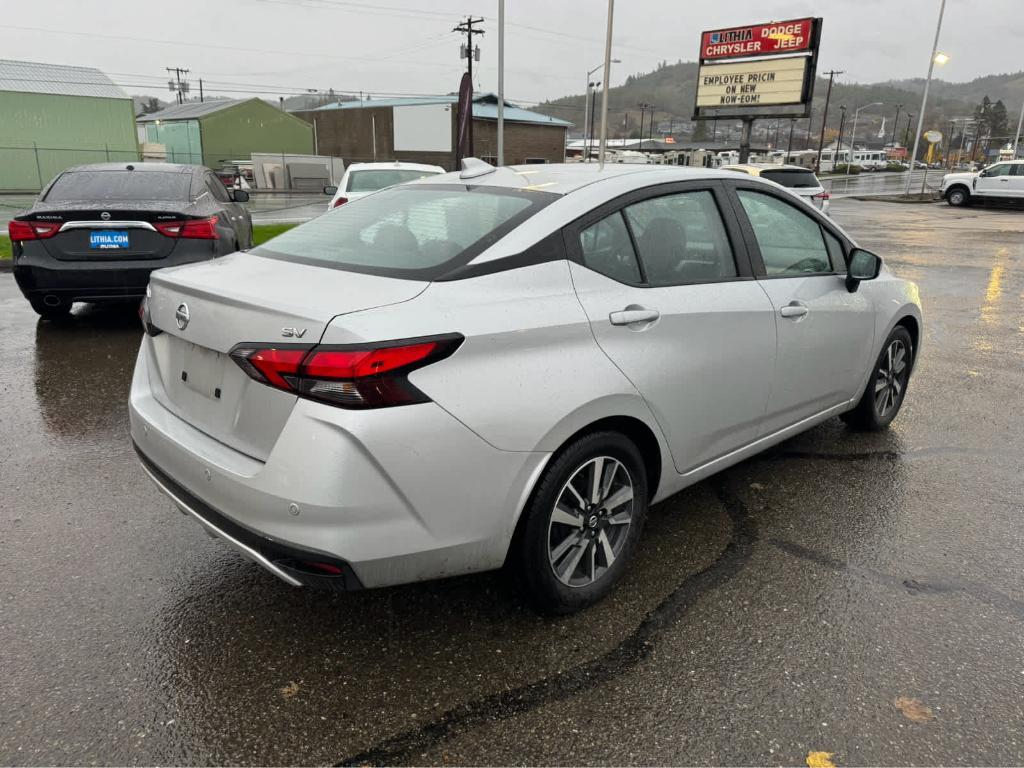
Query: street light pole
(588, 110)
(1020, 124)
(607, 75)
(853, 135)
(924, 101)
(501, 84)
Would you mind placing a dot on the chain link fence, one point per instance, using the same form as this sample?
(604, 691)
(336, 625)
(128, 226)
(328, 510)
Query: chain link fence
(30, 168)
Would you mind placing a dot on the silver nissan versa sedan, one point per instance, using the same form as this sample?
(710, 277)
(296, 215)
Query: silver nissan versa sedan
(506, 366)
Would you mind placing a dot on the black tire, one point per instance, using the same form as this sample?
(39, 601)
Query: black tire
(534, 547)
(875, 410)
(57, 312)
(958, 197)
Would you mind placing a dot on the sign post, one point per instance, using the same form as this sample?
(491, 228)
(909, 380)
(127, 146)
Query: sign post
(757, 71)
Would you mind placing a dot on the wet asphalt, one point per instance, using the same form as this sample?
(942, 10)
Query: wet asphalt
(854, 594)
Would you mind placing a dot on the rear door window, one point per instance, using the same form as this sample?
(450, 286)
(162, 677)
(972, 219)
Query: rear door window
(607, 249)
(217, 188)
(681, 239)
(94, 186)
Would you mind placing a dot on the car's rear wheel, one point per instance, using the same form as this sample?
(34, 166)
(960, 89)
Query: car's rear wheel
(958, 196)
(51, 311)
(887, 385)
(582, 523)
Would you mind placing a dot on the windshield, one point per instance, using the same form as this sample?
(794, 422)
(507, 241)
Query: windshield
(794, 179)
(120, 185)
(371, 181)
(418, 232)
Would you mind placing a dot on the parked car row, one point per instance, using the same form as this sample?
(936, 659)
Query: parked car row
(497, 366)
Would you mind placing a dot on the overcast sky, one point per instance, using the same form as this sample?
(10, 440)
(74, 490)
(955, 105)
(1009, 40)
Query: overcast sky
(276, 47)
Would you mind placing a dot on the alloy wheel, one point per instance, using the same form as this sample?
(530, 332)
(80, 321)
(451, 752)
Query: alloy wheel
(590, 521)
(891, 379)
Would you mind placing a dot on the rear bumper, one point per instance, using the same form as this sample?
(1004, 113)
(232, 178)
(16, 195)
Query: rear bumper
(39, 274)
(293, 565)
(393, 495)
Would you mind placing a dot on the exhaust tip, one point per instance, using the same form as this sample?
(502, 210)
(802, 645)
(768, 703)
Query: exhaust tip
(51, 301)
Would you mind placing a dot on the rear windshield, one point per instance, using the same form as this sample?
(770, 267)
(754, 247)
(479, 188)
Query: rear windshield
(120, 185)
(371, 181)
(419, 232)
(793, 179)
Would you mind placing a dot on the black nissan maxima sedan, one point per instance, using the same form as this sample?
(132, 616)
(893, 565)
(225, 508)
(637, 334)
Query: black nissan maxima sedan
(97, 231)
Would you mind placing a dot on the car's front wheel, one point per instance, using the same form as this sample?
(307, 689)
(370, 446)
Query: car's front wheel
(582, 523)
(887, 385)
(958, 196)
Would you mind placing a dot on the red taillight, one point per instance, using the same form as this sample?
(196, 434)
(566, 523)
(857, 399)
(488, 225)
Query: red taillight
(340, 201)
(275, 364)
(20, 231)
(368, 362)
(364, 376)
(823, 196)
(201, 229)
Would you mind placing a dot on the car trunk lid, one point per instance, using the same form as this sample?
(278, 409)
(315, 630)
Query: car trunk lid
(206, 309)
(111, 231)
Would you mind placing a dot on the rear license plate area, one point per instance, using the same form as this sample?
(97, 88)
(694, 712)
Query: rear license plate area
(202, 370)
(109, 239)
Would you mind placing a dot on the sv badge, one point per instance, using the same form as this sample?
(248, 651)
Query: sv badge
(290, 333)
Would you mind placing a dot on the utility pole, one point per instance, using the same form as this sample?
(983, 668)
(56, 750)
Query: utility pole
(644, 106)
(789, 147)
(177, 84)
(839, 139)
(906, 136)
(824, 118)
(895, 123)
(467, 27)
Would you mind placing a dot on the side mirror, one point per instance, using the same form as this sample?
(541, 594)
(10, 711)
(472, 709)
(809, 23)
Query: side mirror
(863, 265)
(330, 190)
(240, 196)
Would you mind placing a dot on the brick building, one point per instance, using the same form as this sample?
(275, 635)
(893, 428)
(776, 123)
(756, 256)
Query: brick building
(424, 129)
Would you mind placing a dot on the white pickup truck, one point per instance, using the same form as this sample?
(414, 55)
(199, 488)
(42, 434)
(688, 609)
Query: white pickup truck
(1000, 180)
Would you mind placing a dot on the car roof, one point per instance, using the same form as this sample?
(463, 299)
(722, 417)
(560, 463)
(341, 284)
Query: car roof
(401, 166)
(563, 178)
(140, 166)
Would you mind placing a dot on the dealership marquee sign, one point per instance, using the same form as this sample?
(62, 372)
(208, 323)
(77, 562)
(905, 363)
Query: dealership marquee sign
(761, 83)
(760, 70)
(757, 40)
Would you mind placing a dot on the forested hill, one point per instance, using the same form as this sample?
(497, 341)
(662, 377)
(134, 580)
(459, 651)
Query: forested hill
(670, 88)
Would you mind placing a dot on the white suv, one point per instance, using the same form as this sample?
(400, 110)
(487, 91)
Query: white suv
(1003, 180)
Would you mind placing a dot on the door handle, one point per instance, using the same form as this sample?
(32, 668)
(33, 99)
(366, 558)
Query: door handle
(793, 310)
(632, 315)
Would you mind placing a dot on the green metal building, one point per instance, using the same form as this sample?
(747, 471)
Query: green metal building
(215, 132)
(53, 117)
